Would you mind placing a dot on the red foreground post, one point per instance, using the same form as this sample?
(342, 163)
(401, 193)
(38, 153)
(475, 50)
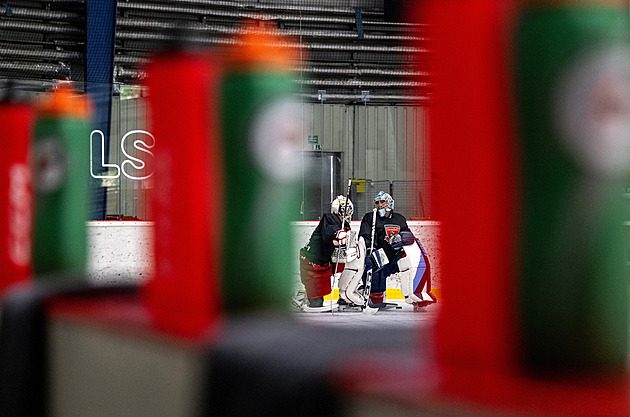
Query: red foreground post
(16, 193)
(474, 160)
(183, 296)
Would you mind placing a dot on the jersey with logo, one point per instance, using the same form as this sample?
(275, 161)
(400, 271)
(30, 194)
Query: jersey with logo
(386, 227)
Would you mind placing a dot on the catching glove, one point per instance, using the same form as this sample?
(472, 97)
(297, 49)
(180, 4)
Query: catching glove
(395, 241)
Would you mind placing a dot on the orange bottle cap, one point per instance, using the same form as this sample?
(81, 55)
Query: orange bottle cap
(64, 101)
(262, 48)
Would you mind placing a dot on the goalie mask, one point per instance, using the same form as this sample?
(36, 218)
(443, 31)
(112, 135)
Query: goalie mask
(384, 203)
(339, 207)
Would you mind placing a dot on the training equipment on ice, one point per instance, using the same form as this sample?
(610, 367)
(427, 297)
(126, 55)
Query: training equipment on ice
(383, 196)
(415, 275)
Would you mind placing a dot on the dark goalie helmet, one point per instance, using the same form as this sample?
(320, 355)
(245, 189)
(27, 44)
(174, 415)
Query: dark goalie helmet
(339, 207)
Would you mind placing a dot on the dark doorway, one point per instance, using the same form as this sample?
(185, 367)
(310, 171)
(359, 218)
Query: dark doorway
(322, 182)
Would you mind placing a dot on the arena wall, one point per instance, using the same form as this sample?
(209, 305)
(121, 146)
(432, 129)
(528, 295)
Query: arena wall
(122, 251)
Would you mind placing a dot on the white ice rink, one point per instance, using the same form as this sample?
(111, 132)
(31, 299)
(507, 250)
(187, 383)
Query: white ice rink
(404, 317)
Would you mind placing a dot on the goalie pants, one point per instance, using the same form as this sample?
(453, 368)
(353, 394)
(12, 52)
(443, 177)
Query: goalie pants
(316, 278)
(379, 277)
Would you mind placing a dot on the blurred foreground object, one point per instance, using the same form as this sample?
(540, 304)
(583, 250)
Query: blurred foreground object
(61, 179)
(573, 80)
(16, 191)
(482, 342)
(261, 129)
(187, 201)
(474, 149)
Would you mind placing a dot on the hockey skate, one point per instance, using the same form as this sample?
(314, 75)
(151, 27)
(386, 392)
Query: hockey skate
(298, 300)
(420, 306)
(312, 305)
(346, 307)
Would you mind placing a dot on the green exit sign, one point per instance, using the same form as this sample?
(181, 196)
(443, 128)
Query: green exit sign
(313, 139)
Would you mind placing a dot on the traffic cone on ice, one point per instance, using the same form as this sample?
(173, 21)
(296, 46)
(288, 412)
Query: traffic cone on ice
(16, 191)
(261, 125)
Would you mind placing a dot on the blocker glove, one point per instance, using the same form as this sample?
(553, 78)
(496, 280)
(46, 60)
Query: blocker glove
(340, 238)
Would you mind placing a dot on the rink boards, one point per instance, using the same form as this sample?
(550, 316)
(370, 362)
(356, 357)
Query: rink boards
(121, 251)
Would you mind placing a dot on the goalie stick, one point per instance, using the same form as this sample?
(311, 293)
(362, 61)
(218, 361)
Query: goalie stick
(341, 247)
(367, 307)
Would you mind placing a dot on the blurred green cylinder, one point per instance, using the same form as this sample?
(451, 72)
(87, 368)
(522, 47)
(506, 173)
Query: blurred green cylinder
(573, 89)
(261, 135)
(61, 158)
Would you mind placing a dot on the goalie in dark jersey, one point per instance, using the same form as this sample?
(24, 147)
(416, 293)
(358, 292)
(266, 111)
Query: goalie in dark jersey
(396, 251)
(329, 246)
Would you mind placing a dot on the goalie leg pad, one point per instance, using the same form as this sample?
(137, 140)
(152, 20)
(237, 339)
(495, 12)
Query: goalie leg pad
(316, 278)
(351, 277)
(349, 284)
(404, 264)
(415, 283)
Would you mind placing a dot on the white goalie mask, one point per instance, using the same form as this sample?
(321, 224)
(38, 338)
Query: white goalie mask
(384, 203)
(339, 207)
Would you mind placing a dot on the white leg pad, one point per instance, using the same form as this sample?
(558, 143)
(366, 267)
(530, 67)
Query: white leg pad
(408, 267)
(349, 284)
(351, 277)
(404, 265)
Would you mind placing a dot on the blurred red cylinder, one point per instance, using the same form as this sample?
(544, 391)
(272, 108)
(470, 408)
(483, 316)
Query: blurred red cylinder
(474, 155)
(16, 194)
(183, 296)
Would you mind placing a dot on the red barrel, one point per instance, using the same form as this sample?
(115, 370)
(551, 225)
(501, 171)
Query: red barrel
(16, 194)
(183, 295)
